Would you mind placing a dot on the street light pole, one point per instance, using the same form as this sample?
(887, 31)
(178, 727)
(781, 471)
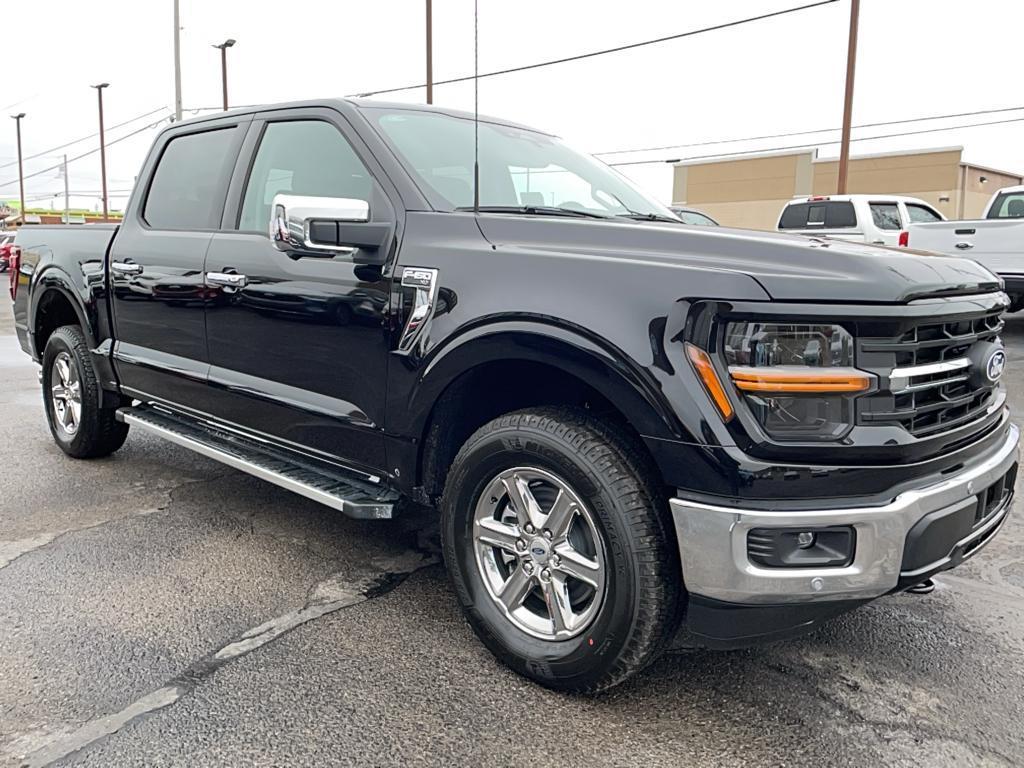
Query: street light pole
(430, 53)
(224, 68)
(177, 63)
(21, 170)
(103, 148)
(851, 66)
(67, 196)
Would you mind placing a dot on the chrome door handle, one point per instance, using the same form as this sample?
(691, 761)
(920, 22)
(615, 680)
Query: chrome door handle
(417, 328)
(126, 268)
(227, 279)
(964, 246)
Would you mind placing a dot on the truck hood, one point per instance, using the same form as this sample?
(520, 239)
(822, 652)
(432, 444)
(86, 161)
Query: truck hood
(787, 267)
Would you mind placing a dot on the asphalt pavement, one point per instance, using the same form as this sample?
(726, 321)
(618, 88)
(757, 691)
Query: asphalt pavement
(159, 609)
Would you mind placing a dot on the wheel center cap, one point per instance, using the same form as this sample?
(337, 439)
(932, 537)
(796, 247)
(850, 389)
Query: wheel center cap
(540, 550)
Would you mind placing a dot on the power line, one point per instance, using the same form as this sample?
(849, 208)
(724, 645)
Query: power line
(818, 143)
(603, 51)
(84, 138)
(806, 133)
(88, 152)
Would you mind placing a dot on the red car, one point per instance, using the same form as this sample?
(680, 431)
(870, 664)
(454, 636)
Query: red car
(6, 243)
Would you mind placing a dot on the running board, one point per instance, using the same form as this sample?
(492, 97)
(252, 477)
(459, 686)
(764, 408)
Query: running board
(347, 492)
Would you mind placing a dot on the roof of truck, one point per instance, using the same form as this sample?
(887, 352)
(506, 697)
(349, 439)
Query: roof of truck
(361, 103)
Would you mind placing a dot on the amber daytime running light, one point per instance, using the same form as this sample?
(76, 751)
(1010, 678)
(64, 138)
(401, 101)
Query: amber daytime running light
(706, 371)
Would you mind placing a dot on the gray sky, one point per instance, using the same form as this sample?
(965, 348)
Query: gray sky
(916, 58)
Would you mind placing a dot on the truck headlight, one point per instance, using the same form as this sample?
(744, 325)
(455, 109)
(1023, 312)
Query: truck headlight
(798, 381)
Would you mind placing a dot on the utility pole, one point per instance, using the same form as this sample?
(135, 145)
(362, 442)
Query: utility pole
(103, 148)
(430, 53)
(21, 170)
(851, 67)
(177, 63)
(224, 68)
(67, 197)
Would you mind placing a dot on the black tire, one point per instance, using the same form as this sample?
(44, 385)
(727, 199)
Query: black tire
(606, 470)
(98, 432)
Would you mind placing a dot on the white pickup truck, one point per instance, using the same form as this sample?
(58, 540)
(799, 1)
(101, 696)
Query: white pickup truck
(996, 240)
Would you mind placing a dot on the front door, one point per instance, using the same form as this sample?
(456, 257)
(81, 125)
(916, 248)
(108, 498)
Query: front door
(156, 262)
(299, 348)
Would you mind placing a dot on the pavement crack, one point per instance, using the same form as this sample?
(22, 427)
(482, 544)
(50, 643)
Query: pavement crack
(12, 549)
(331, 594)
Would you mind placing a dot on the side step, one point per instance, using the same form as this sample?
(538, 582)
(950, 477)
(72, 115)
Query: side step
(356, 496)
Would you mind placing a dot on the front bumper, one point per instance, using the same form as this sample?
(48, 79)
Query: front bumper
(713, 540)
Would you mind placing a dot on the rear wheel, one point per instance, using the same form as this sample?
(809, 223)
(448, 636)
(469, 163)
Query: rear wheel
(73, 398)
(557, 541)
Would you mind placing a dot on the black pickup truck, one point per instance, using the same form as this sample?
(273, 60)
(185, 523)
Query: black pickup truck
(631, 428)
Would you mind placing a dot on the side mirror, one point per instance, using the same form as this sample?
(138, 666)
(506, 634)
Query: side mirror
(302, 225)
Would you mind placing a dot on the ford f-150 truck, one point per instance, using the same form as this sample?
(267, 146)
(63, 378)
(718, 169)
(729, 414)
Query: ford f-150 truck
(996, 240)
(633, 430)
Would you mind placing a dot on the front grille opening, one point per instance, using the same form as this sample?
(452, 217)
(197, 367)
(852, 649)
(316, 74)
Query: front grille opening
(937, 402)
(992, 499)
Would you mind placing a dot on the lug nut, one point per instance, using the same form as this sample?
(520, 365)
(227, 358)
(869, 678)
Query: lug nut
(520, 545)
(528, 567)
(529, 528)
(545, 574)
(547, 534)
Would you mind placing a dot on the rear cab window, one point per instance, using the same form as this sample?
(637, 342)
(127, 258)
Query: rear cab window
(824, 214)
(1009, 205)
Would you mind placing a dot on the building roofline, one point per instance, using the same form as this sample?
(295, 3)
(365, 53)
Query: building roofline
(990, 169)
(815, 159)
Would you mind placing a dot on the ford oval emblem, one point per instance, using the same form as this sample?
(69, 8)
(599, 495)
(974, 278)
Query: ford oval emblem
(538, 551)
(995, 364)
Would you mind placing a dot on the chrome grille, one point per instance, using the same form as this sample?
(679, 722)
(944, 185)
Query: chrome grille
(925, 373)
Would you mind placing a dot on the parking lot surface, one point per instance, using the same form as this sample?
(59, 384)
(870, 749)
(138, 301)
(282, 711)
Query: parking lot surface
(159, 609)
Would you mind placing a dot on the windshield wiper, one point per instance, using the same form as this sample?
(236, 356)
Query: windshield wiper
(536, 210)
(650, 217)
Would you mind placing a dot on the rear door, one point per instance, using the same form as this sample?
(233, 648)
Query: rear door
(156, 262)
(299, 349)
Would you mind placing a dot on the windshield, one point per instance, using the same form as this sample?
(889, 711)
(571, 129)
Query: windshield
(1009, 205)
(519, 168)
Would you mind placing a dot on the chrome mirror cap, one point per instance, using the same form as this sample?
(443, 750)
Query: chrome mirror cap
(291, 216)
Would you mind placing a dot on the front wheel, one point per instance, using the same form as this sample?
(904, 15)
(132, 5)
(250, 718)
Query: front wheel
(557, 541)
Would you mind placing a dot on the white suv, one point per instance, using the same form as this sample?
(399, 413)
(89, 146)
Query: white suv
(876, 219)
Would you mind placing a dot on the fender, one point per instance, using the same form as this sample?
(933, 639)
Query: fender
(88, 305)
(616, 375)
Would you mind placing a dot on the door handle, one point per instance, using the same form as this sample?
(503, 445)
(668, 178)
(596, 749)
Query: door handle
(964, 246)
(126, 268)
(227, 279)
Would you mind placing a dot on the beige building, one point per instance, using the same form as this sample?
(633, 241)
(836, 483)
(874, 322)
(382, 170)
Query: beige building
(750, 191)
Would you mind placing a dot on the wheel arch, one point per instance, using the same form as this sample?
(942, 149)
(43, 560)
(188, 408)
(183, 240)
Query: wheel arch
(474, 379)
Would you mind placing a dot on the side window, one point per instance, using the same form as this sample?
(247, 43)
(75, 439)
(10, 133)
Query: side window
(303, 157)
(886, 215)
(188, 183)
(921, 214)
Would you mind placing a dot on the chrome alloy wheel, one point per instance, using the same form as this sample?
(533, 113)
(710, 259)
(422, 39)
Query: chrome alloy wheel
(66, 393)
(539, 553)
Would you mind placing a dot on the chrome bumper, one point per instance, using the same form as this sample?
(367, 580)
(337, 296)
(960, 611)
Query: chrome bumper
(713, 540)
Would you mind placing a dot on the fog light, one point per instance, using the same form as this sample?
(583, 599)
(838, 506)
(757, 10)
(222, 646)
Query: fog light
(827, 547)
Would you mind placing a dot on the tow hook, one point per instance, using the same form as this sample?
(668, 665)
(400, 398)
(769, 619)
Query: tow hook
(925, 587)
